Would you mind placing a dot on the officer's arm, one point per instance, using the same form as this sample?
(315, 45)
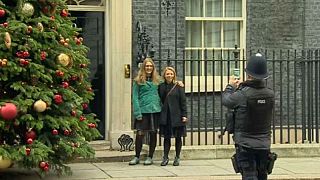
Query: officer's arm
(230, 97)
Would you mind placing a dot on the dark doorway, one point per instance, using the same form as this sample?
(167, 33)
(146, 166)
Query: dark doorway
(92, 24)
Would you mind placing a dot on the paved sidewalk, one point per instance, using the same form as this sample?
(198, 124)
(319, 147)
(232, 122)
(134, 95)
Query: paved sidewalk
(285, 168)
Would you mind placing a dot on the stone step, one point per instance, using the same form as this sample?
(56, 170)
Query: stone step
(100, 145)
(200, 152)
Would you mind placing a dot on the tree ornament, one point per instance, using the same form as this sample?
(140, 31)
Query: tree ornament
(3, 62)
(24, 62)
(27, 9)
(78, 42)
(43, 55)
(7, 40)
(55, 132)
(92, 125)
(64, 59)
(82, 118)
(2, 13)
(59, 73)
(29, 141)
(64, 13)
(58, 99)
(29, 29)
(28, 151)
(42, 164)
(85, 106)
(5, 163)
(40, 106)
(40, 26)
(83, 65)
(8, 111)
(65, 84)
(31, 134)
(73, 113)
(66, 132)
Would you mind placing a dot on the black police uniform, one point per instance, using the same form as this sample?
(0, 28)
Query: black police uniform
(252, 104)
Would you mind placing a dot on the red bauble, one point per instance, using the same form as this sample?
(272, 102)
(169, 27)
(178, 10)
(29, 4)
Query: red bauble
(73, 113)
(29, 141)
(78, 42)
(55, 132)
(5, 24)
(26, 54)
(82, 118)
(46, 168)
(64, 13)
(85, 105)
(91, 125)
(59, 73)
(65, 84)
(58, 99)
(66, 132)
(74, 78)
(42, 164)
(24, 62)
(28, 151)
(2, 13)
(43, 55)
(8, 111)
(31, 135)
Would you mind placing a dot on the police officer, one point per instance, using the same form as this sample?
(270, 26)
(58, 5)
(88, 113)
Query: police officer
(252, 103)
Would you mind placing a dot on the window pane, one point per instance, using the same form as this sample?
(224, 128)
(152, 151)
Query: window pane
(193, 34)
(194, 8)
(220, 61)
(193, 62)
(231, 34)
(213, 8)
(212, 34)
(233, 8)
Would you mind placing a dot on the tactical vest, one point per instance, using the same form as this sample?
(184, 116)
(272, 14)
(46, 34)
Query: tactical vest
(260, 103)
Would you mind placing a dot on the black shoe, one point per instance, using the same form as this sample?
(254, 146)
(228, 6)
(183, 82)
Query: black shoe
(165, 161)
(176, 161)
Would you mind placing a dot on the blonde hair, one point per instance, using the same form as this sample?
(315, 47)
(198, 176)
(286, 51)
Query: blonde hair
(142, 75)
(170, 69)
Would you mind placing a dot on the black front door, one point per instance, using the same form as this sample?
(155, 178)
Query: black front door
(92, 24)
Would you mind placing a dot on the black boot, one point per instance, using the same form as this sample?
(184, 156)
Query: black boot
(176, 161)
(165, 161)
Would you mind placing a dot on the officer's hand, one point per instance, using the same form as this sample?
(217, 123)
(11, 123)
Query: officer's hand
(234, 82)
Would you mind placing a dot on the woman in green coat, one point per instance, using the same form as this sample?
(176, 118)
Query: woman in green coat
(146, 109)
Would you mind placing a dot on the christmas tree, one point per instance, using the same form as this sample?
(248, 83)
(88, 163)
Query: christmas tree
(44, 87)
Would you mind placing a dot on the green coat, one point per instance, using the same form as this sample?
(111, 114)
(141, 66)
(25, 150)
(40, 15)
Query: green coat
(145, 99)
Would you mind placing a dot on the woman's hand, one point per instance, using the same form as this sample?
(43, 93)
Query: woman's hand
(184, 119)
(180, 83)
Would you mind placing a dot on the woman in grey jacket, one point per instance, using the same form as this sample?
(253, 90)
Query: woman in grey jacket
(173, 115)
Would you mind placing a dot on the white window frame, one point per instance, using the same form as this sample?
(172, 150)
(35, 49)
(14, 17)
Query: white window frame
(219, 82)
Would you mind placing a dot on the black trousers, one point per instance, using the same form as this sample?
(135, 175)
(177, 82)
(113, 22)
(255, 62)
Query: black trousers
(252, 163)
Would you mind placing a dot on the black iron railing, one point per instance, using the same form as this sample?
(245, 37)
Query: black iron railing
(294, 76)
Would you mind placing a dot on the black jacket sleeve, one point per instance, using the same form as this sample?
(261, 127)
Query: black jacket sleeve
(183, 103)
(232, 98)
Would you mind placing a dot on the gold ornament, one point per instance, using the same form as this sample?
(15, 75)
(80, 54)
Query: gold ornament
(27, 9)
(40, 27)
(64, 59)
(3, 62)
(7, 40)
(5, 163)
(40, 106)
